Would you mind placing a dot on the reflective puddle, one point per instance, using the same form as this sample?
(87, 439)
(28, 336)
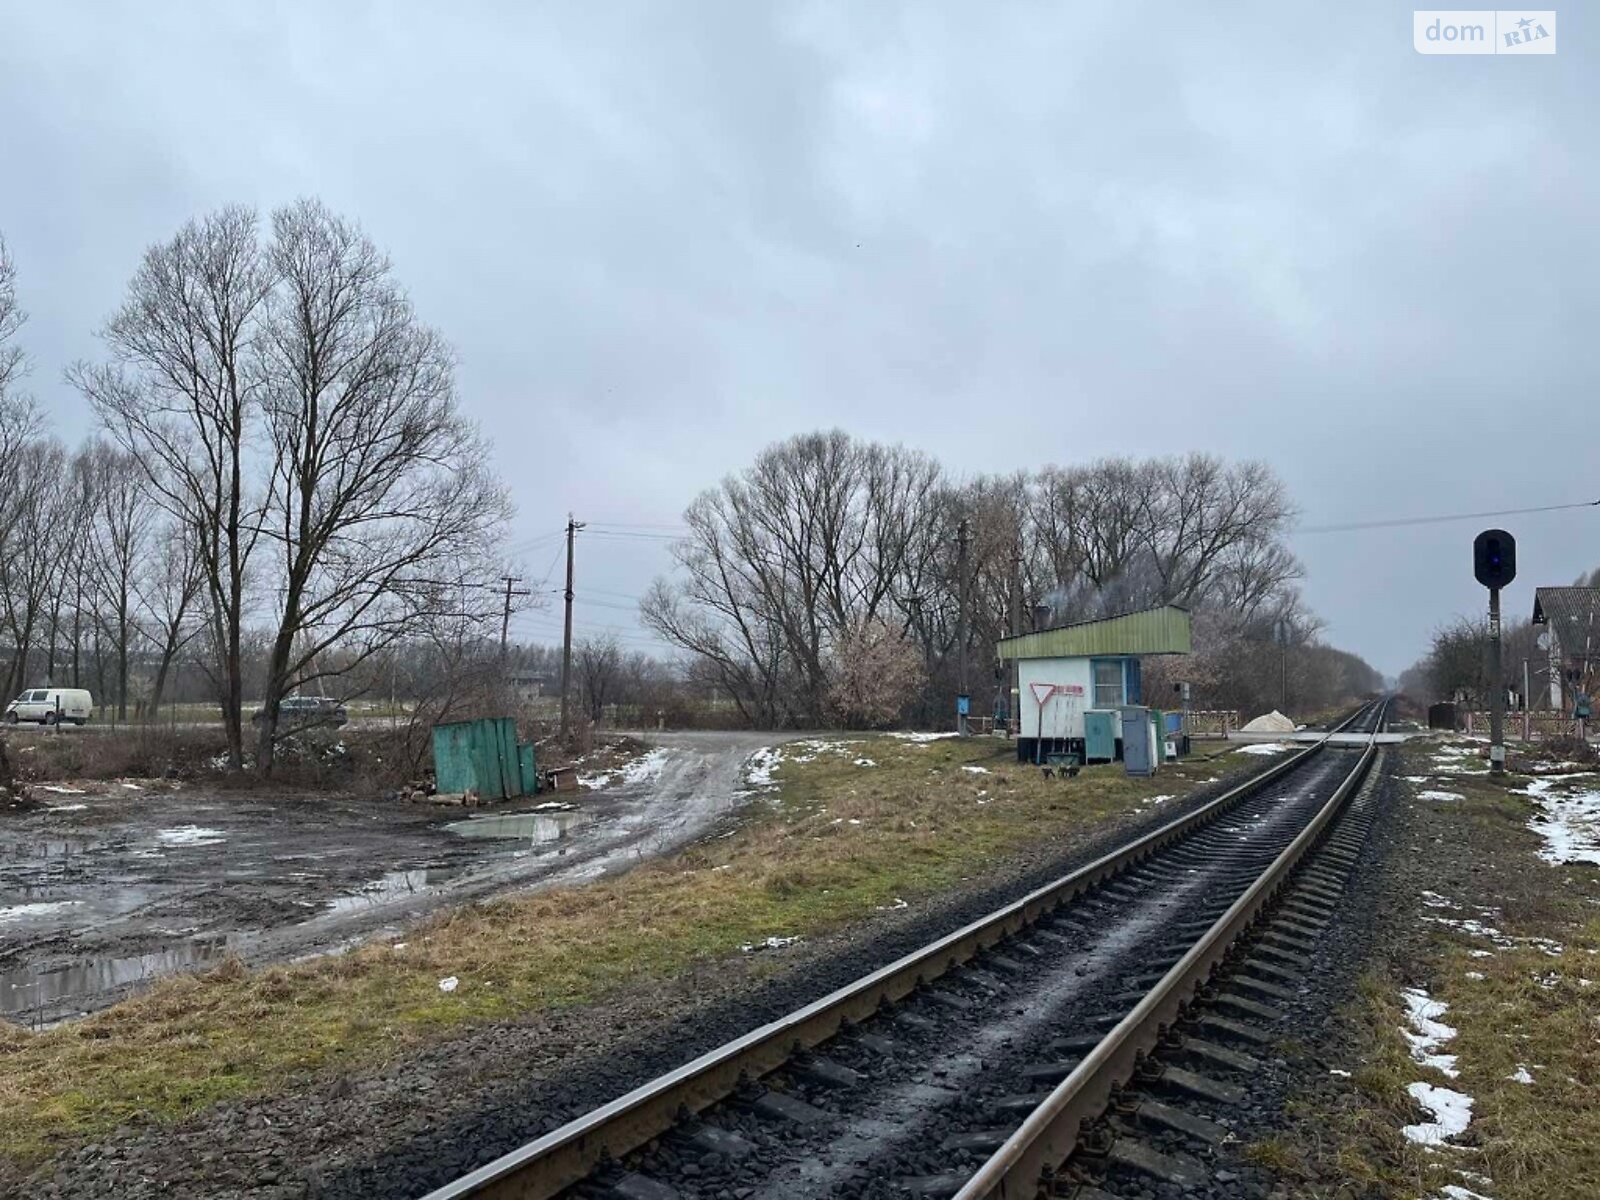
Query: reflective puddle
(396, 885)
(539, 828)
(49, 994)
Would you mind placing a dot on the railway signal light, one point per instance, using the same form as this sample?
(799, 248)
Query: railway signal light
(1494, 558)
(1494, 564)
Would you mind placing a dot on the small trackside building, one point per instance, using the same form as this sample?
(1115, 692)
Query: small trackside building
(1088, 666)
(1570, 619)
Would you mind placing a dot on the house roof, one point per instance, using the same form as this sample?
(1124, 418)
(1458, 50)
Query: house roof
(1163, 630)
(1574, 614)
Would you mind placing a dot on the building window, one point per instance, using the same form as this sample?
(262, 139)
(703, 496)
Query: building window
(1108, 690)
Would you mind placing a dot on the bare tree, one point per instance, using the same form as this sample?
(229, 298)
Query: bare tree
(168, 589)
(13, 362)
(31, 569)
(117, 537)
(181, 397)
(819, 534)
(600, 668)
(378, 480)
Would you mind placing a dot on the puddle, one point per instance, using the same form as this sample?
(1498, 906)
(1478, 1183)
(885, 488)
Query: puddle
(37, 908)
(528, 827)
(189, 835)
(396, 885)
(51, 995)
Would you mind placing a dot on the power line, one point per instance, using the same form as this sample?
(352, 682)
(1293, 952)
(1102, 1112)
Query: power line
(643, 536)
(675, 526)
(1398, 522)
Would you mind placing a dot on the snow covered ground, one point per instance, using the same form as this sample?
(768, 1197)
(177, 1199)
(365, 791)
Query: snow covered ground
(1568, 818)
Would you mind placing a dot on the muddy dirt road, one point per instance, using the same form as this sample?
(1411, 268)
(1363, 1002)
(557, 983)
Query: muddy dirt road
(115, 883)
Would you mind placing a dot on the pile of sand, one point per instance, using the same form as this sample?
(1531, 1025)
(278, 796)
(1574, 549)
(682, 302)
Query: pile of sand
(1272, 722)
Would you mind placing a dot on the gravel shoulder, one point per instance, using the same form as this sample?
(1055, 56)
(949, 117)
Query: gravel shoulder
(441, 1104)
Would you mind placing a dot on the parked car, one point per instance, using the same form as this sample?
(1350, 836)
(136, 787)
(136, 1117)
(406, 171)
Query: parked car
(303, 712)
(49, 705)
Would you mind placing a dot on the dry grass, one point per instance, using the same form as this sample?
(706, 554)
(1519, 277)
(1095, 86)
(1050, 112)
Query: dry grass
(1524, 1004)
(838, 842)
(145, 752)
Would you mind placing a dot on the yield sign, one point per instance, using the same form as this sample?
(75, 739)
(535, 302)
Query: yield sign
(1041, 692)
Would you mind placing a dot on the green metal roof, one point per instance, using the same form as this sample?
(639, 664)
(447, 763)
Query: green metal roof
(1164, 630)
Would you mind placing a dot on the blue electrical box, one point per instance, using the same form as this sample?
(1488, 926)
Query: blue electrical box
(1099, 736)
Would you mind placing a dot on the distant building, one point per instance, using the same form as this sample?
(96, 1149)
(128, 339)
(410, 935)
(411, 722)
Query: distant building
(1087, 667)
(1570, 617)
(529, 685)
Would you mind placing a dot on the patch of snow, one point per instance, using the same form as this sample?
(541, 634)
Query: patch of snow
(1475, 928)
(132, 787)
(1442, 797)
(864, 762)
(60, 789)
(1434, 900)
(1520, 1075)
(1476, 975)
(1416, 778)
(771, 943)
(1427, 1033)
(923, 737)
(895, 907)
(554, 806)
(646, 767)
(1154, 800)
(399, 946)
(640, 770)
(449, 983)
(1454, 1191)
(189, 835)
(38, 908)
(1263, 748)
(1338, 1072)
(759, 767)
(976, 770)
(1569, 823)
(1451, 1112)
(66, 808)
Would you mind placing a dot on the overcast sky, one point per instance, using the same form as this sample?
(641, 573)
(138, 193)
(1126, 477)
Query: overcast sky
(663, 235)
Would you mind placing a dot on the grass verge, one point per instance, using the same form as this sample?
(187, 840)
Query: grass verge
(1511, 943)
(849, 827)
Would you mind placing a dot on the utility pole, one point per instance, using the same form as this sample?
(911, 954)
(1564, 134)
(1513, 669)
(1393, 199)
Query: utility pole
(1527, 716)
(962, 699)
(566, 639)
(1014, 700)
(505, 616)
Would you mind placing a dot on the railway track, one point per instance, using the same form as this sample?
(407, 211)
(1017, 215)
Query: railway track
(1058, 1042)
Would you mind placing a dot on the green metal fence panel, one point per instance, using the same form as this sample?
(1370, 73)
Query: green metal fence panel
(529, 768)
(510, 766)
(486, 756)
(453, 768)
(483, 757)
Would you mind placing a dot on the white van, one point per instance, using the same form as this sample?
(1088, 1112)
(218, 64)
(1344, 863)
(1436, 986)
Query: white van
(49, 705)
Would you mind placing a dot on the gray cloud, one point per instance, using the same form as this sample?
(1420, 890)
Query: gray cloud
(662, 236)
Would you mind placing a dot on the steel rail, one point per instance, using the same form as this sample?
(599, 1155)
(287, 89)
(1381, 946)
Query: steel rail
(549, 1164)
(1024, 1163)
